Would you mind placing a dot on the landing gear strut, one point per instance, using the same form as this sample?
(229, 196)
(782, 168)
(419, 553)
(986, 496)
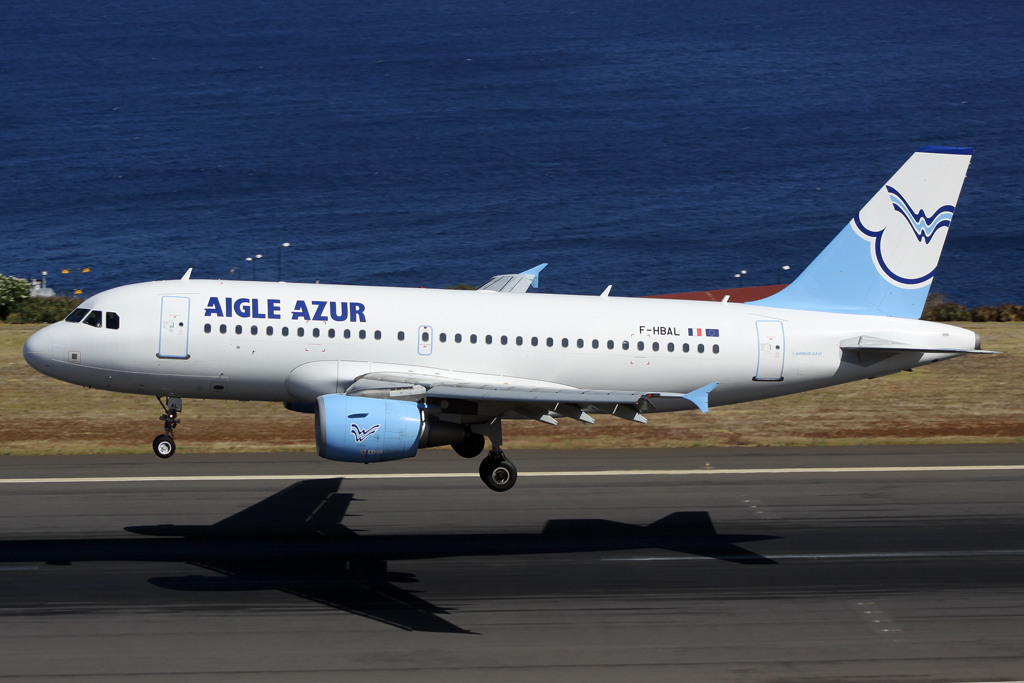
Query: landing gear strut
(163, 445)
(496, 470)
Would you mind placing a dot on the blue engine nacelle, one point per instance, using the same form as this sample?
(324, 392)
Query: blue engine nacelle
(359, 429)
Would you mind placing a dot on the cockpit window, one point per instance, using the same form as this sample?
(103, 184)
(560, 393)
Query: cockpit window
(95, 318)
(76, 315)
(113, 321)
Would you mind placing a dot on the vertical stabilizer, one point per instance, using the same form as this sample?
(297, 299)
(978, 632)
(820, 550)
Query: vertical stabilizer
(883, 261)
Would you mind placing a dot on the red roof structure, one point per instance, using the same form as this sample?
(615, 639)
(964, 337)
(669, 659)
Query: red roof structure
(737, 295)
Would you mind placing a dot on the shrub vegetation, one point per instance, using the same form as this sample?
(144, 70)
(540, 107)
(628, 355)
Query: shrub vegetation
(941, 309)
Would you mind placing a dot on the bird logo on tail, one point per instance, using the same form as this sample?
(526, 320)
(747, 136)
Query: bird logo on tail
(923, 226)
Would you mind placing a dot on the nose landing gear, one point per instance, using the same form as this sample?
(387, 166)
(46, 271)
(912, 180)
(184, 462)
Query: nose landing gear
(163, 445)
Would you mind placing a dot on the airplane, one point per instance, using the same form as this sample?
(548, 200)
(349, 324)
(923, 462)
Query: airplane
(387, 370)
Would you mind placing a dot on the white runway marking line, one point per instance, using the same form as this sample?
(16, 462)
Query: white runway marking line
(910, 555)
(472, 475)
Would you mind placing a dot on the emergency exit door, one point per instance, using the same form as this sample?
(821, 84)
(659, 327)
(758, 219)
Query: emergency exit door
(426, 340)
(771, 351)
(173, 327)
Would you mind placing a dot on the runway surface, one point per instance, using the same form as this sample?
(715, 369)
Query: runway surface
(846, 564)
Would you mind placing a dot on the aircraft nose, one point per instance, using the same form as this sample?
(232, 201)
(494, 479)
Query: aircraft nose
(38, 350)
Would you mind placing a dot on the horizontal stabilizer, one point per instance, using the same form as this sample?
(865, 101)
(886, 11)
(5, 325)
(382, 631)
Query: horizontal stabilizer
(865, 343)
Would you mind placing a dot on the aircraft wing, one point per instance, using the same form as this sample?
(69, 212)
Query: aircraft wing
(529, 401)
(514, 282)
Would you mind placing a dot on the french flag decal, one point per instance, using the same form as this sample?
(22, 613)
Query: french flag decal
(702, 331)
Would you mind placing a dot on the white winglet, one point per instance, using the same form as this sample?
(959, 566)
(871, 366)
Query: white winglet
(187, 275)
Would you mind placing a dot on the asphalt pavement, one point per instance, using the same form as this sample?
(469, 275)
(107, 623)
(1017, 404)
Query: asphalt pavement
(777, 564)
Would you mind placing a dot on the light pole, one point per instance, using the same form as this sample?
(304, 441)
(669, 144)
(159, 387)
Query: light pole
(74, 277)
(778, 274)
(285, 244)
(253, 260)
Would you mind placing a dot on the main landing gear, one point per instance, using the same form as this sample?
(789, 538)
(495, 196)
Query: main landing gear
(163, 445)
(497, 471)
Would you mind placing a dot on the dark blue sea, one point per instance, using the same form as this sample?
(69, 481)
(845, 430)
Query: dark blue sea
(660, 146)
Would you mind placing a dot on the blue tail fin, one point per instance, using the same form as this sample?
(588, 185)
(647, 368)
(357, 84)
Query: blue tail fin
(883, 261)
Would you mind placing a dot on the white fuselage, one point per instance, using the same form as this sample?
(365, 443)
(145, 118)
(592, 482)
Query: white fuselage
(172, 342)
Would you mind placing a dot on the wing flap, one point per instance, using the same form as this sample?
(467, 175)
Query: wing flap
(567, 401)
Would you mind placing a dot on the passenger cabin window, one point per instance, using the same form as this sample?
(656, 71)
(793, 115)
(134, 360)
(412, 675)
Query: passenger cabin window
(639, 346)
(95, 318)
(625, 346)
(611, 345)
(300, 331)
(472, 339)
(254, 330)
(504, 340)
(376, 335)
(671, 347)
(700, 348)
(441, 337)
(519, 341)
(686, 348)
(550, 342)
(316, 331)
(76, 315)
(534, 341)
(654, 346)
(401, 336)
(223, 329)
(565, 343)
(284, 331)
(362, 334)
(714, 349)
(238, 329)
(113, 321)
(348, 333)
(207, 328)
(270, 331)
(488, 339)
(596, 344)
(330, 333)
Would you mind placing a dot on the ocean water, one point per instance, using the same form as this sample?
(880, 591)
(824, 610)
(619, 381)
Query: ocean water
(657, 146)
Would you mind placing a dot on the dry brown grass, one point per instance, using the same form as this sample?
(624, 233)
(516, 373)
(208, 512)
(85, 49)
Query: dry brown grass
(975, 399)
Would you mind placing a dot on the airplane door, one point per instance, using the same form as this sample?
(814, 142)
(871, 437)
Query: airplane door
(426, 339)
(771, 350)
(173, 327)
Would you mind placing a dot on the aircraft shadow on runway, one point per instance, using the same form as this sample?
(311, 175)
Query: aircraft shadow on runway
(295, 542)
